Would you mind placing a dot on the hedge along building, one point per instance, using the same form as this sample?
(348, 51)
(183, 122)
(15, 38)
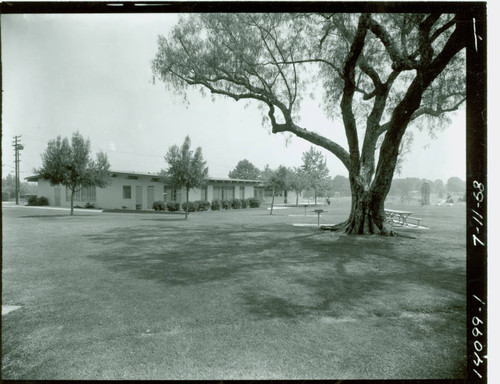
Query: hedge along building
(138, 191)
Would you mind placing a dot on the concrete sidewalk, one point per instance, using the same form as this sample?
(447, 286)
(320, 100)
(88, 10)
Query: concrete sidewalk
(10, 204)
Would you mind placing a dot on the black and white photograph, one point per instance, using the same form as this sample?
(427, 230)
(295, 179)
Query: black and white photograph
(244, 191)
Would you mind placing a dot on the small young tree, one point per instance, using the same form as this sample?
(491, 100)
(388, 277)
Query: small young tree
(71, 166)
(298, 182)
(277, 180)
(187, 169)
(271, 181)
(245, 170)
(283, 178)
(315, 170)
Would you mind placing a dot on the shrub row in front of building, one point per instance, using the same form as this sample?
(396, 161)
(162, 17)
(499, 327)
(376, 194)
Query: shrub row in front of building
(201, 205)
(37, 200)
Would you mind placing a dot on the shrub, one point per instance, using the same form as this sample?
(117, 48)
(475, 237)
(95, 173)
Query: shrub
(42, 201)
(216, 205)
(203, 205)
(192, 206)
(253, 202)
(244, 203)
(225, 204)
(173, 206)
(236, 203)
(159, 205)
(37, 201)
(5, 196)
(32, 200)
(89, 206)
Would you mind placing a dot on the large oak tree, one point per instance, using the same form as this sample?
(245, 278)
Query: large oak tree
(378, 74)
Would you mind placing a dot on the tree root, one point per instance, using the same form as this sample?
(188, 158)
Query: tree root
(386, 230)
(398, 234)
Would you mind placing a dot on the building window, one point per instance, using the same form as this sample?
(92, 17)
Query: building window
(217, 193)
(223, 193)
(242, 193)
(204, 194)
(127, 192)
(165, 193)
(229, 193)
(85, 195)
(173, 195)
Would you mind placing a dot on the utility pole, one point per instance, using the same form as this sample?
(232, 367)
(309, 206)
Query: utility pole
(17, 147)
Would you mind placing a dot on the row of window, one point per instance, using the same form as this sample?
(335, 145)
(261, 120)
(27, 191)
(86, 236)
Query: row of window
(220, 193)
(88, 194)
(228, 192)
(84, 195)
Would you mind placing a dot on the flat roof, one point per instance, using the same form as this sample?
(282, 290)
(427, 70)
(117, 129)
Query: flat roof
(151, 174)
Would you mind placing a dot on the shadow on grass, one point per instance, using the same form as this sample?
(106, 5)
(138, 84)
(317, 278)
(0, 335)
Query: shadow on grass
(55, 216)
(166, 219)
(280, 270)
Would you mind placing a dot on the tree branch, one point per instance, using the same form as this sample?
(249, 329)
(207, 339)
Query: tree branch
(310, 136)
(440, 30)
(438, 111)
(399, 61)
(349, 89)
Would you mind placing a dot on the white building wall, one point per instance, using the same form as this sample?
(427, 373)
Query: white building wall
(46, 190)
(112, 196)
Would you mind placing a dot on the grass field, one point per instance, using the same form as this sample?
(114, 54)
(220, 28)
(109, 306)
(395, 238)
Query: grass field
(231, 295)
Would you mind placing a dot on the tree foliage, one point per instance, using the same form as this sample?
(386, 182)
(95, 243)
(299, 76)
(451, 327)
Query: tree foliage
(340, 185)
(9, 185)
(379, 74)
(245, 170)
(186, 168)
(455, 184)
(71, 165)
(297, 182)
(273, 180)
(314, 169)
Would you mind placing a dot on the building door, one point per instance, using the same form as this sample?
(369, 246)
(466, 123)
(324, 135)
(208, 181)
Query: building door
(138, 197)
(57, 196)
(151, 196)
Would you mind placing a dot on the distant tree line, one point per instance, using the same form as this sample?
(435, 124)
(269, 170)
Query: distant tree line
(403, 187)
(312, 177)
(312, 180)
(9, 187)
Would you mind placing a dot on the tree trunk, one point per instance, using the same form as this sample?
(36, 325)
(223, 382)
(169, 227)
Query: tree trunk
(187, 204)
(367, 215)
(272, 203)
(72, 196)
(285, 194)
(297, 199)
(315, 197)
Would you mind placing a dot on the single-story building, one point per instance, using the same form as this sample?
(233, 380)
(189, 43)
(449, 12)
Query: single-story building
(131, 190)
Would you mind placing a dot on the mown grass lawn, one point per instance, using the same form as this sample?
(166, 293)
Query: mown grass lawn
(231, 295)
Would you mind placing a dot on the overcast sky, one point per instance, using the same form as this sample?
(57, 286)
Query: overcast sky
(92, 74)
